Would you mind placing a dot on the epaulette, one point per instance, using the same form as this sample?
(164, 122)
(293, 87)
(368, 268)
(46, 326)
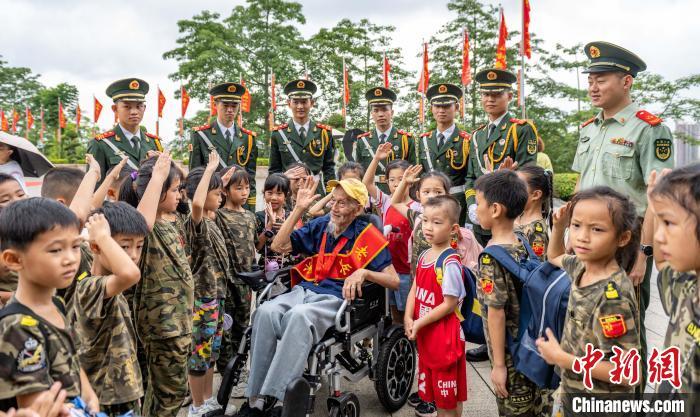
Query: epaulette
(403, 132)
(464, 135)
(202, 127)
(363, 135)
(426, 134)
(322, 126)
(587, 122)
(280, 127)
(152, 136)
(248, 132)
(518, 121)
(105, 135)
(649, 118)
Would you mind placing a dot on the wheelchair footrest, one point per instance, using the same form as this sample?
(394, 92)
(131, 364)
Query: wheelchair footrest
(296, 398)
(348, 362)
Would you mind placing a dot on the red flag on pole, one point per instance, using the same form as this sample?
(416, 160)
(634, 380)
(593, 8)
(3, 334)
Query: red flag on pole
(97, 109)
(424, 75)
(161, 102)
(15, 119)
(525, 48)
(61, 116)
(346, 91)
(386, 69)
(273, 94)
(78, 116)
(212, 106)
(185, 100)
(245, 99)
(466, 65)
(30, 119)
(501, 48)
(3, 121)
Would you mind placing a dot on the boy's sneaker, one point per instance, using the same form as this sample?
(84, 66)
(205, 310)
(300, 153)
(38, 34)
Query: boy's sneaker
(414, 400)
(193, 411)
(210, 405)
(426, 410)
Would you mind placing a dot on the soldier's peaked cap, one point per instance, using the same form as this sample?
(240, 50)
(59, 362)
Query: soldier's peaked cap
(443, 94)
(300, 89)
(227, 92)
(128, 89)
(607, 57)
(380, 95)
(495, 79)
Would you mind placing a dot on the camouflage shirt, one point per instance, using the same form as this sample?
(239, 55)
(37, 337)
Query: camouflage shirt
(604, 314)
(497, 289)
(164, 298)
(8, 280)
(679, 297)
(537, 234)
(108, 340)
(418, 242)
(29, 363)
(209, 259)
(238, 228)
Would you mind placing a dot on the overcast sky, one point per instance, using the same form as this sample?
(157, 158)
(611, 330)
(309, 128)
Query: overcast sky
(92, 43)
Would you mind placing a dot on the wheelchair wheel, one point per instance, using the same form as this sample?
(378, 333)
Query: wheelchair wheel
(395, 370)
(346, 406)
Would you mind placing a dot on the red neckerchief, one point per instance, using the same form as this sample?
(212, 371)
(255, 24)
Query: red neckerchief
(322, 266)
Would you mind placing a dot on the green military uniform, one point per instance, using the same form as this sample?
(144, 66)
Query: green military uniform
(621, 151)
(497, 289)
(366, 144)
(240, 148)
(110, 147)
(108, 341)
(537, 234)
(679, 297)
(510, 137)
(451, 155)
(314, 147)
(239, 231)
(162, 305)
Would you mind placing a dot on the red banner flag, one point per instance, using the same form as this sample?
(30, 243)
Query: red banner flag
(30, 118)
(424, 75)
(346, 90)
(273, 94)
(15, 119)
(466, 65)
(245, 99)
(386, 70)
(78, 116)
(97, 109)
(501, 48)
(61, 116)
(212, 107)
(185, 100)
(525, 48)
(161, 103)
(3, 121)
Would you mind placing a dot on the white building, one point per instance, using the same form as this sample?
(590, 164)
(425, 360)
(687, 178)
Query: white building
(686, 153)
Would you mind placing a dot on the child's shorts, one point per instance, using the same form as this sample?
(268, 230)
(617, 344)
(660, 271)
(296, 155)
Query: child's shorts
(207, 329)
(398, 297)
(446, 387)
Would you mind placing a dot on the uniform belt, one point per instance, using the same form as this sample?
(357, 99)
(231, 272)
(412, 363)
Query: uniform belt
(458, 189)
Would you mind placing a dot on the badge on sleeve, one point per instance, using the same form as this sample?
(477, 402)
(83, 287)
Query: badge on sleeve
(613, 326)
(486, 285)
(485, 259)
(532, 146)
(611, 291)
(31, 358)
(538, 248)
(662, 149)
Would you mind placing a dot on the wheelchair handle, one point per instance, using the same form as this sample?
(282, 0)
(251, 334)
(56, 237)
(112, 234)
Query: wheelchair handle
(339, 316)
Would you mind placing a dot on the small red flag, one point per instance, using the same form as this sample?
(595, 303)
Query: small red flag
(466, 65)
(212, 106)
(161, 103)
(501, 48)
(185, 100)
(424, 75)
(386, 70)
(30, 118)
(3, 121)
(61, 116)
(525, 48)
(245, 99)
(97, 109)
(15, 119)
(346, 90)
(78, 116)
(273, 94)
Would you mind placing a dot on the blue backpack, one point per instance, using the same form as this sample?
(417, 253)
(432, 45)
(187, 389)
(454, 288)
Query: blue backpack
(470, 310)
(544, 296)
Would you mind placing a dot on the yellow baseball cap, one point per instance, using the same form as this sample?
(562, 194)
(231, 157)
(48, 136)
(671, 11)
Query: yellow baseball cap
(354, 188)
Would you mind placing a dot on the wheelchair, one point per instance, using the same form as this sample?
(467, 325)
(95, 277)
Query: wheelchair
(390, 361)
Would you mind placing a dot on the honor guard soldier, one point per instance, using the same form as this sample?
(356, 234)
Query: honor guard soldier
(128, 138)
(446, 149)
(501, 138)
(301, 139)
(381, 104)
(621, 146)
(233, 143)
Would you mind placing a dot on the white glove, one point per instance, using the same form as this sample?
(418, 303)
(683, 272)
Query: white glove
(472, 214)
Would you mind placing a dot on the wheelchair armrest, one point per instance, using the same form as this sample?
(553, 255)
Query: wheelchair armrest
(348, 306)
(258, 279)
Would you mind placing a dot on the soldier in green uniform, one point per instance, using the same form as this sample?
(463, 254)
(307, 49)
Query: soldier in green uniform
(233, 143)
(501, 138)
(446, 149)
(621, 145)
(301, 139)
(128, 137)
(381, 103)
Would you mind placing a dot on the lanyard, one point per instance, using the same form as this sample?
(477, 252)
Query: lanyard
(323, 267)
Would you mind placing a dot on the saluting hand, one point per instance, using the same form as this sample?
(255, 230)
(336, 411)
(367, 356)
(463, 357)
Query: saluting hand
(113, 175)
(307, 193)
(93, 165)
(213, 161)
(161, 169)
(383, 151)
(411, 174)
(98, 228)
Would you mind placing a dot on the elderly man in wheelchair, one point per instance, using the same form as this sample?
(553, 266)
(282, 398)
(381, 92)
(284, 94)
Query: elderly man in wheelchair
(344, 251)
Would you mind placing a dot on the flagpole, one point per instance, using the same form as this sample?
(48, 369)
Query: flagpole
(58, 134)
(158, 112)
(522, 62)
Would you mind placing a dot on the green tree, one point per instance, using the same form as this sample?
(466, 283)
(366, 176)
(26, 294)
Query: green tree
(17, 86)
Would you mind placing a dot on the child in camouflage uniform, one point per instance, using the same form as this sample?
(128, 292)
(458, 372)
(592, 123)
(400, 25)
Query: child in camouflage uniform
(164, 298)
(533, 222)
(103, 318)
(238, 227)
(210, 269)
(40, 240)
(675, 204)
(501, 197)
(603, 310)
